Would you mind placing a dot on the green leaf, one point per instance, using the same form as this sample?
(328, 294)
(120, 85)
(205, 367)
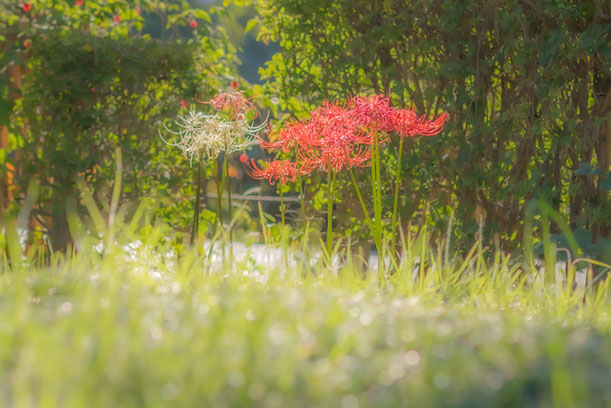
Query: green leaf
(584, 169)
(252, 23)
(583, 237)
(605, 183)
(203, 15)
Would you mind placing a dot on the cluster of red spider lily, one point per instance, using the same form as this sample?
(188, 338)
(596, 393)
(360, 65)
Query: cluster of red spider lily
(338, 136)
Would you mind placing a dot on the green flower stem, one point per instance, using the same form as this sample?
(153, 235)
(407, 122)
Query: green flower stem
(330, 199)
(219, 193)
(301, 192)
(302, 199)
(379, 183)
(395, 206)
(219, 210)
(284, 244)
(361, 201)
(281, 204)
(377, 202)
(301, 187)
(195, 225)
(227, 179)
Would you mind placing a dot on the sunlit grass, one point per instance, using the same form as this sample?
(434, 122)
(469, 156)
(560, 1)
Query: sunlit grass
(152, 326)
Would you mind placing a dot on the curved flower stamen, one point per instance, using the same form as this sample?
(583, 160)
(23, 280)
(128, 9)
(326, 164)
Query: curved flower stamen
(283, 170)
(431, 128)
(293, 135)
(208, 135)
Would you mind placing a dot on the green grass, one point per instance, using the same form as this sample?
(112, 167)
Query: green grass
(103, 331)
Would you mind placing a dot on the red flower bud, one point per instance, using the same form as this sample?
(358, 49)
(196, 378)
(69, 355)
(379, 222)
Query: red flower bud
(193, 24)
(234, 84)
(117, 18)
(243, 158)
(27, 43)
(183, 104)
(79, 2)
(26, 7)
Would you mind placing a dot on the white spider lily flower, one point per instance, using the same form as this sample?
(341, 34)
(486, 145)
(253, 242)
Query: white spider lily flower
(208, 135)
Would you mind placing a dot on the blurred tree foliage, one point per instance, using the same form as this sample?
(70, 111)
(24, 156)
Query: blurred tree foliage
(526, 84)
(240, 22)
(95, 76)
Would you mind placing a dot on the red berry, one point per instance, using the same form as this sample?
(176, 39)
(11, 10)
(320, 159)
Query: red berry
(193, 24)
(117, 18)
(26, 7)
(79, 2)
(27, 43)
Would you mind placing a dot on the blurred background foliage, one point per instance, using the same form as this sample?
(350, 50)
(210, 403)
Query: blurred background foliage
(526, 85)
(80, 80)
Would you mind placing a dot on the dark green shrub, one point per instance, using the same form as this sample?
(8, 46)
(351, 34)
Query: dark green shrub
(94, 80)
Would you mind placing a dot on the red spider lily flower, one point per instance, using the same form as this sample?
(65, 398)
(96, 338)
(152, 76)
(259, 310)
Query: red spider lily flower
(183, 104)
(331, 138)
(293, 135)
(233, 101)
(431, 128)
(329, 124)
(338, 149)
(117, 18)
(307, 166)
(273, 171)
(234, 84)
(193, 24)
(374, 113)
(26, 7)
(407, 124)
(79, 2)
(243, 157)
(334, 139)
(336, 158)
(332, 116)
